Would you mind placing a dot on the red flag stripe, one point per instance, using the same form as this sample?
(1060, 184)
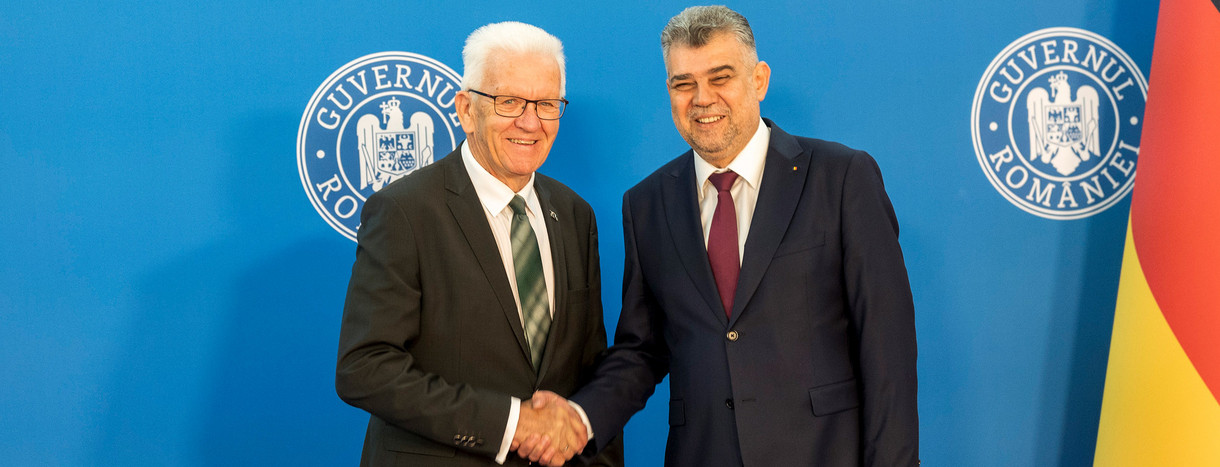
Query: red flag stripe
(1176, 203)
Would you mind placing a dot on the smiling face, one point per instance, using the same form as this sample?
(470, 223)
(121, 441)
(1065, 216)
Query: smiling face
(714, 95)
(511, 149)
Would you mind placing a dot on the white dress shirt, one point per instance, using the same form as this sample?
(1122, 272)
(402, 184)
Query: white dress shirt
(749, 165)
(494, 195)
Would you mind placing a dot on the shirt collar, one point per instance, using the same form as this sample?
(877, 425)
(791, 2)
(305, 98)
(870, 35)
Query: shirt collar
(748, 164)
(493, 193)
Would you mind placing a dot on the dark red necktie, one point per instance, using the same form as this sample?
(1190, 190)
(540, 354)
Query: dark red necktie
(722, 240)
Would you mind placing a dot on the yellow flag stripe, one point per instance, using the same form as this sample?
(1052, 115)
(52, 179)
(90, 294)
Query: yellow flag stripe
(1156, 410)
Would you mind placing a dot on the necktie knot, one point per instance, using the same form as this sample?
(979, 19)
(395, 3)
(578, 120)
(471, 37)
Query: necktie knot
(723, 181)
(518, 205)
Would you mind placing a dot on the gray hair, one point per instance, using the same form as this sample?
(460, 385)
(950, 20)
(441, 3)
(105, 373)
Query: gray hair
(698, 25)
(512, 37)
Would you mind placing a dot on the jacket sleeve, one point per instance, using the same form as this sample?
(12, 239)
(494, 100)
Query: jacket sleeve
(610, 452)
(639, 359)
(883, 314)
(381, 321)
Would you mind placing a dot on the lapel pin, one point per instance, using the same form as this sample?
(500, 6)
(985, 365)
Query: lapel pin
(553, 216)
(794, 168)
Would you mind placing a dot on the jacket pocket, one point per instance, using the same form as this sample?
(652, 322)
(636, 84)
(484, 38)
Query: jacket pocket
(577, 297)
(677, 412)
(803, 243)
(834, 398)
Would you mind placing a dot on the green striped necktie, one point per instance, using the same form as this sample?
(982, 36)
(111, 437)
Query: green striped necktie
(531, 285)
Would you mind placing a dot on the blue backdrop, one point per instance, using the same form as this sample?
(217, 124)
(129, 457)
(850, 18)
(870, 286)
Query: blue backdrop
(169, 296)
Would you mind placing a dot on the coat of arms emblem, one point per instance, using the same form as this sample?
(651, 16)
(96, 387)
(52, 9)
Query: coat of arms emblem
(1062, 130)
(391, 152)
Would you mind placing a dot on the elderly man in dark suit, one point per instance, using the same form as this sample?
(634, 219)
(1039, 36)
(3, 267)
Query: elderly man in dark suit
(763, 274)
(476, 280)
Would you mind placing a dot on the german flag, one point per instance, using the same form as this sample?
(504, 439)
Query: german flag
(1162, 396)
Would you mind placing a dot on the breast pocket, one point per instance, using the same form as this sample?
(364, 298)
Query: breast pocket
(577, 302)
(578, 297)
(801, 243)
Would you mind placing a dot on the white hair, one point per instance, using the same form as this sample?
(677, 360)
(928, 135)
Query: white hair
(511, 37)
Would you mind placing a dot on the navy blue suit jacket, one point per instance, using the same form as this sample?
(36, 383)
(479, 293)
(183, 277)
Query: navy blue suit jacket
(816, 366)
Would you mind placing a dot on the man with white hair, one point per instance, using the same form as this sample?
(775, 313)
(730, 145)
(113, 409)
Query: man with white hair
(476, 280)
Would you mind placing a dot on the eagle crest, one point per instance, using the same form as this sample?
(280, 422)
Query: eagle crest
(391, 152)
(1062, 130)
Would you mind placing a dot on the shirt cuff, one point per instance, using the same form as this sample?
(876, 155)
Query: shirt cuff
(514, 413)
(583, 418)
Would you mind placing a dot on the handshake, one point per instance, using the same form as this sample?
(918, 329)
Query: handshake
(549, 430)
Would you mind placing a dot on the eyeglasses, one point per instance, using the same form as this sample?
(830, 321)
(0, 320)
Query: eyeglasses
(513, 106)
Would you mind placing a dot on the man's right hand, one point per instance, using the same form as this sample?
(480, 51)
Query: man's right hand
(549, 431)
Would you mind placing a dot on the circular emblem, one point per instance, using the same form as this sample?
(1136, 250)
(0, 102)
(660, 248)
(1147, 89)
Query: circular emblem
(1056, 123)
(373, 121)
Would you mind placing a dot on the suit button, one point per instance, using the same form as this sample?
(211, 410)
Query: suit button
(728, 403)
(732, 336)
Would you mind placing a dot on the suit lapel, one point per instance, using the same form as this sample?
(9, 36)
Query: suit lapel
(779, 193)
(464, 203)
(555, 234)
(682, 211)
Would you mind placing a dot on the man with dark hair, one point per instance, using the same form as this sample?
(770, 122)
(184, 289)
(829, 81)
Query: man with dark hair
(763, 274)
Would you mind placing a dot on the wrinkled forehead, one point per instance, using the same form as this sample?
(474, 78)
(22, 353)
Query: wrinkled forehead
(520, 74)
(721, 54)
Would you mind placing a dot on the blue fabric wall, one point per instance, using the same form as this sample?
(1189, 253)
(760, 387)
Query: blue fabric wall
(169, 296)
